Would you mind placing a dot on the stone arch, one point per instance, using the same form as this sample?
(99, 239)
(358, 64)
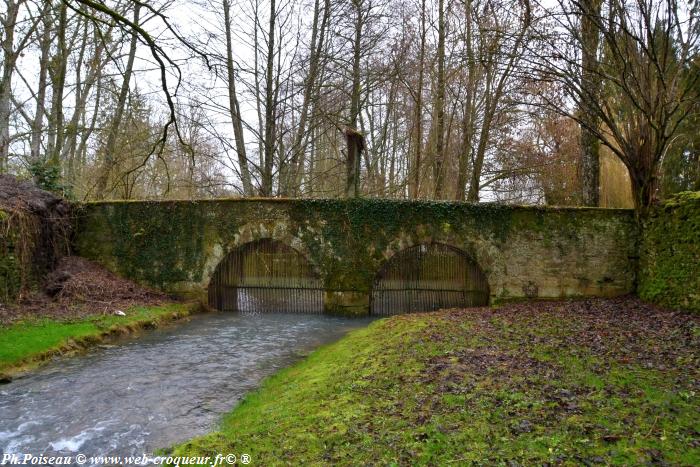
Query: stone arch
(266, 275)
(482, 251)
(250, 232)
(428, 276)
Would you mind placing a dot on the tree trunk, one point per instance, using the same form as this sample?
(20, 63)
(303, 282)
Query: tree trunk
(60, 65)
(110, 159)
(298, 148)
(355, 148)
(37, 124)
(270, 107)
(353, 161)
(440, 104)
(414, 188)
(465, 153)
(8, 65)
(234, 107)
(87, 132)
(643, 190)
(82, 90)
(493, 98)
(590, 86)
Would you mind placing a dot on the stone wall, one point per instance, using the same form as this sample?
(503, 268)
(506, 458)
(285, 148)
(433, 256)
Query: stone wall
(525, 252)
(669, 267)
(11, 270)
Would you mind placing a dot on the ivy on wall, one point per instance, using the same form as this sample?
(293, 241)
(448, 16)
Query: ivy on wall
(168, 242)
(171, 244)
(669, 269)
(23, 257)
(10, 265)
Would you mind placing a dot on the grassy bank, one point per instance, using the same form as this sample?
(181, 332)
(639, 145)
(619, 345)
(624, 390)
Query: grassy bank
(590, 382)
(26, 343)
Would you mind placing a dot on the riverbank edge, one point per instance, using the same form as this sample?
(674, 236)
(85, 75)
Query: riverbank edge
(346, 403)
(74, 345)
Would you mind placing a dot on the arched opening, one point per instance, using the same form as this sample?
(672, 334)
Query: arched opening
(266, 276)
(428, 277)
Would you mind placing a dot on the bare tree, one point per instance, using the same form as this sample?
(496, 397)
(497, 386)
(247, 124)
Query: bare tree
(57, 73)
(109, 156)
(648, 75)
(234, 106)
(590, 82)
(321, 18)
(13, 41)
(40, 109)
(439, 106)
(503, 42)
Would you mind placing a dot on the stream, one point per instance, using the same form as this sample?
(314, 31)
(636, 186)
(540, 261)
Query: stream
(164, 387)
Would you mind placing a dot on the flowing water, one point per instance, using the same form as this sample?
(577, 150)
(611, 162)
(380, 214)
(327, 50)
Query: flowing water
(167, 386)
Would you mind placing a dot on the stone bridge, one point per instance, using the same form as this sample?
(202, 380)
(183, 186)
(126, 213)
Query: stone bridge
(523, 252)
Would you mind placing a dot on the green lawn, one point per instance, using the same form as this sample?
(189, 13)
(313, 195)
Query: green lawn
(30, 340)
(590, 382)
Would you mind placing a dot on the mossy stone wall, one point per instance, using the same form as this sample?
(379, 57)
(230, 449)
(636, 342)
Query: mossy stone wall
(669, 269)
(525, 252)
(10, 264)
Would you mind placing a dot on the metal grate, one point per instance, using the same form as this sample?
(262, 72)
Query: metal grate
(266, 276)
(428, 277)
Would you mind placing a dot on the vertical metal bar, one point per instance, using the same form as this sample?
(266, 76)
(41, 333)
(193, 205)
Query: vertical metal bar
(269, 276)
(427, 277)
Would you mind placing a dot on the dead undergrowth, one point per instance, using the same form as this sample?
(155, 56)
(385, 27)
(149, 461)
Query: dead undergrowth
(76, 288)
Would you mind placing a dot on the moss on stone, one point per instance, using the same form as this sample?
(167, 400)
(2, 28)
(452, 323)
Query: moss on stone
(10, 264)
(175, 245)
(669, 272)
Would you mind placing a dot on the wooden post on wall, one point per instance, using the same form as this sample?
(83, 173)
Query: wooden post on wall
(356, 144)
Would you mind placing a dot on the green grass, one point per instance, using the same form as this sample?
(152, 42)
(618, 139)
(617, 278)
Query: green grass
(29, 341)
(486, 387)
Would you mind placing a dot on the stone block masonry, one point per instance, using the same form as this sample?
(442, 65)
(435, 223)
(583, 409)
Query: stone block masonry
(524, 252)
(669, 269)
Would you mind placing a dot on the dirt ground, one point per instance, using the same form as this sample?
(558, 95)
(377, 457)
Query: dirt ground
(55, 284)
(76, 288)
